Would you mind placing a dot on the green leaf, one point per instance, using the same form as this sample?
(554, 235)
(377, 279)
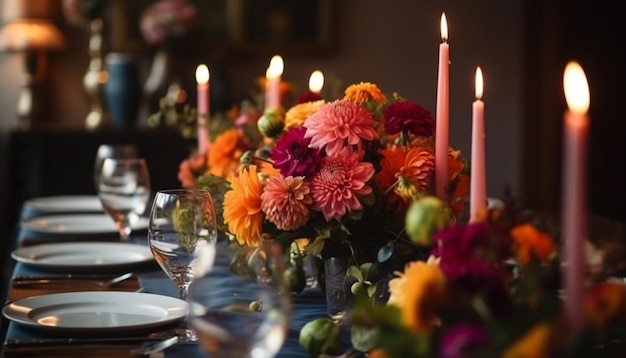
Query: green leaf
(371, 290)
(365, 269)
(316, 247)
(355, 272)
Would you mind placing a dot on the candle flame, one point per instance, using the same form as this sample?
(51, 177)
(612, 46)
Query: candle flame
(316, 81)
(275, 68)
(576, 88)
(444, 27)
(202, 74)
(479, 83)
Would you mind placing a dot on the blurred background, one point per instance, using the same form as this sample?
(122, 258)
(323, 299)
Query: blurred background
(522, 47)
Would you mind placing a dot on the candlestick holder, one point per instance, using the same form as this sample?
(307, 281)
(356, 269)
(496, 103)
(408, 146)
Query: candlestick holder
(96, 77)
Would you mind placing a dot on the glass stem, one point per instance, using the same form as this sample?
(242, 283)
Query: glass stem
(124, 229)
(182, 292)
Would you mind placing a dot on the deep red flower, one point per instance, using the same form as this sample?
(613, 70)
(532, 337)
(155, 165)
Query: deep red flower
(406, 116)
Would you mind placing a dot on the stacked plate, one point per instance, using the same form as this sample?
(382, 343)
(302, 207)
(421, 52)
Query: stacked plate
(85, 311)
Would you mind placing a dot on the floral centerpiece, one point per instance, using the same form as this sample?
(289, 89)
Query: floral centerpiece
(334, 178)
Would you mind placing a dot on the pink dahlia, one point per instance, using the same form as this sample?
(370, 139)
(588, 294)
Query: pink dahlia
(286, 202)
(340, 123)
(406, 116)
(292, 154)
(338, 182)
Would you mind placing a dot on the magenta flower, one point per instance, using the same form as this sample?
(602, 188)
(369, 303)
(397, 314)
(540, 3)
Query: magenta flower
(293, 156)
(463, 251)
(463, 340)
(406, 116)
(338, 182)
(338, 124)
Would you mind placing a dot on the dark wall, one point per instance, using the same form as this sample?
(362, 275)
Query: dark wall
(591, 33)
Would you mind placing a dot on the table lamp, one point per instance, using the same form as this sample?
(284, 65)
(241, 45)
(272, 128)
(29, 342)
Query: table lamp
(34, 37)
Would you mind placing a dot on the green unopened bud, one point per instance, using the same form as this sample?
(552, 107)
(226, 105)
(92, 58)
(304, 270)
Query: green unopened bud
(296, 278)
(424, 217)
(320, 336)
(271, 123)
(247, 158)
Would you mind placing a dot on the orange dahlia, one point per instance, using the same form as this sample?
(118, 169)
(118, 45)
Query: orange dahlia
(286, 202)
(419, 168)
(242, 207)
(364, 92)
(531, 242)
(190, 168)
(225, 153)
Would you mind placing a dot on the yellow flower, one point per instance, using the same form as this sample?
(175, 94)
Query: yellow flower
(605, 303)
(364, 92)
(297, 114)
(242, 207)
(533, 345)
(419, 292)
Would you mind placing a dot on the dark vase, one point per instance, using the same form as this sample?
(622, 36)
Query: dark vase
(123, 90)
(337, 286)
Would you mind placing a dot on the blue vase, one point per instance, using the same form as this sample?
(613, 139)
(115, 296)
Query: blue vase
(123, 90)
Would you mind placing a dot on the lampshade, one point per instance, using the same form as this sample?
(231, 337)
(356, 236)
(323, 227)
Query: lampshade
(30, 34)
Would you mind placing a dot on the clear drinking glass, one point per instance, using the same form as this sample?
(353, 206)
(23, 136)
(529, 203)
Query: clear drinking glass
(119, 151)
(181, 220)
(124, 191)
(242, 314)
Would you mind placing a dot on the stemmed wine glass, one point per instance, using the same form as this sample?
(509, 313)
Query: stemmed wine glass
(240, 312)
(181, 220)
(111, 151)
(124, 191)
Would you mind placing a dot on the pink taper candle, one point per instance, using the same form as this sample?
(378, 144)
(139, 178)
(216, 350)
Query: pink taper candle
(272, 83)
(574, 197)
(442, 135)
(478, 185)
(202, 78)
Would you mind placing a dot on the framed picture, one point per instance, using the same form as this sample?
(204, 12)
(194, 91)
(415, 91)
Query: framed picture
(282, 26)
(244, 26)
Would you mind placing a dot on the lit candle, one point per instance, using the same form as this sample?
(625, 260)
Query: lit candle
(478, 185)
(574, 198)
(316, 82)
(202, 78)
(441, 135)
(272, 82)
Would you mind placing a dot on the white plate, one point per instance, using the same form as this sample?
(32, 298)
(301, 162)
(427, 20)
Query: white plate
(84, 256)
(96, 311)
(66, 204)
(77, 224)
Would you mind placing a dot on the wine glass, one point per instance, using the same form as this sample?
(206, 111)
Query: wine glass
(181, 220)
(124, 191)
(240, 306)
(111, 151)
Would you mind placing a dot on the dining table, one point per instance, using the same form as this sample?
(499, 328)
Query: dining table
(147, 277)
